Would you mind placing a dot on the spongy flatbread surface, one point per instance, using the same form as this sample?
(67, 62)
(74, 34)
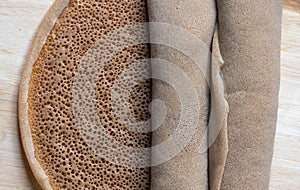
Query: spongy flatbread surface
(58, 154)
(249, 38)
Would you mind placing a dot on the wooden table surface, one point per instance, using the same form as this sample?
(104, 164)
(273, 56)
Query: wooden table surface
(19, 20)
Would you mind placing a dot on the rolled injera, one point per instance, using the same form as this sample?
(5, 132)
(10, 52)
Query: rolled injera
(249, 41)
(183, 45)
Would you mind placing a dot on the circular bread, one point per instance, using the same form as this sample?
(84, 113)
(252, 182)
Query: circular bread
(56, 150)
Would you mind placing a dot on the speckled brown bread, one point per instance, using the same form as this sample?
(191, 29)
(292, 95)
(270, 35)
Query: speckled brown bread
(59, 156)
(249, 39)
(241, 76)
(188, 169)
(217, 133)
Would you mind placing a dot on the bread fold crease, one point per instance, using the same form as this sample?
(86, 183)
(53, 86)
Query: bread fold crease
(217, 127)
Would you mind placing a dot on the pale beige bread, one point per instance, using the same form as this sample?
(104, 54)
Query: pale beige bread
(249, 39)
(187, 169)
(56, 149)
(217, 133)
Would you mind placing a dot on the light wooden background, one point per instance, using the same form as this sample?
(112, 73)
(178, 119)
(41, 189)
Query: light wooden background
(19, 20)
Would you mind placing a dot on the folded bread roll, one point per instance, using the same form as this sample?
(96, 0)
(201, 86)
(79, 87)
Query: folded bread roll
(249, 40)
(217, 133)
(182, 19)
(62, 154)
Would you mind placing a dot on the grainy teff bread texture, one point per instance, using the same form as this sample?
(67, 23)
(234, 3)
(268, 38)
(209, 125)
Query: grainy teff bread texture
(191, 54)
(249, 38)
(60, 147)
